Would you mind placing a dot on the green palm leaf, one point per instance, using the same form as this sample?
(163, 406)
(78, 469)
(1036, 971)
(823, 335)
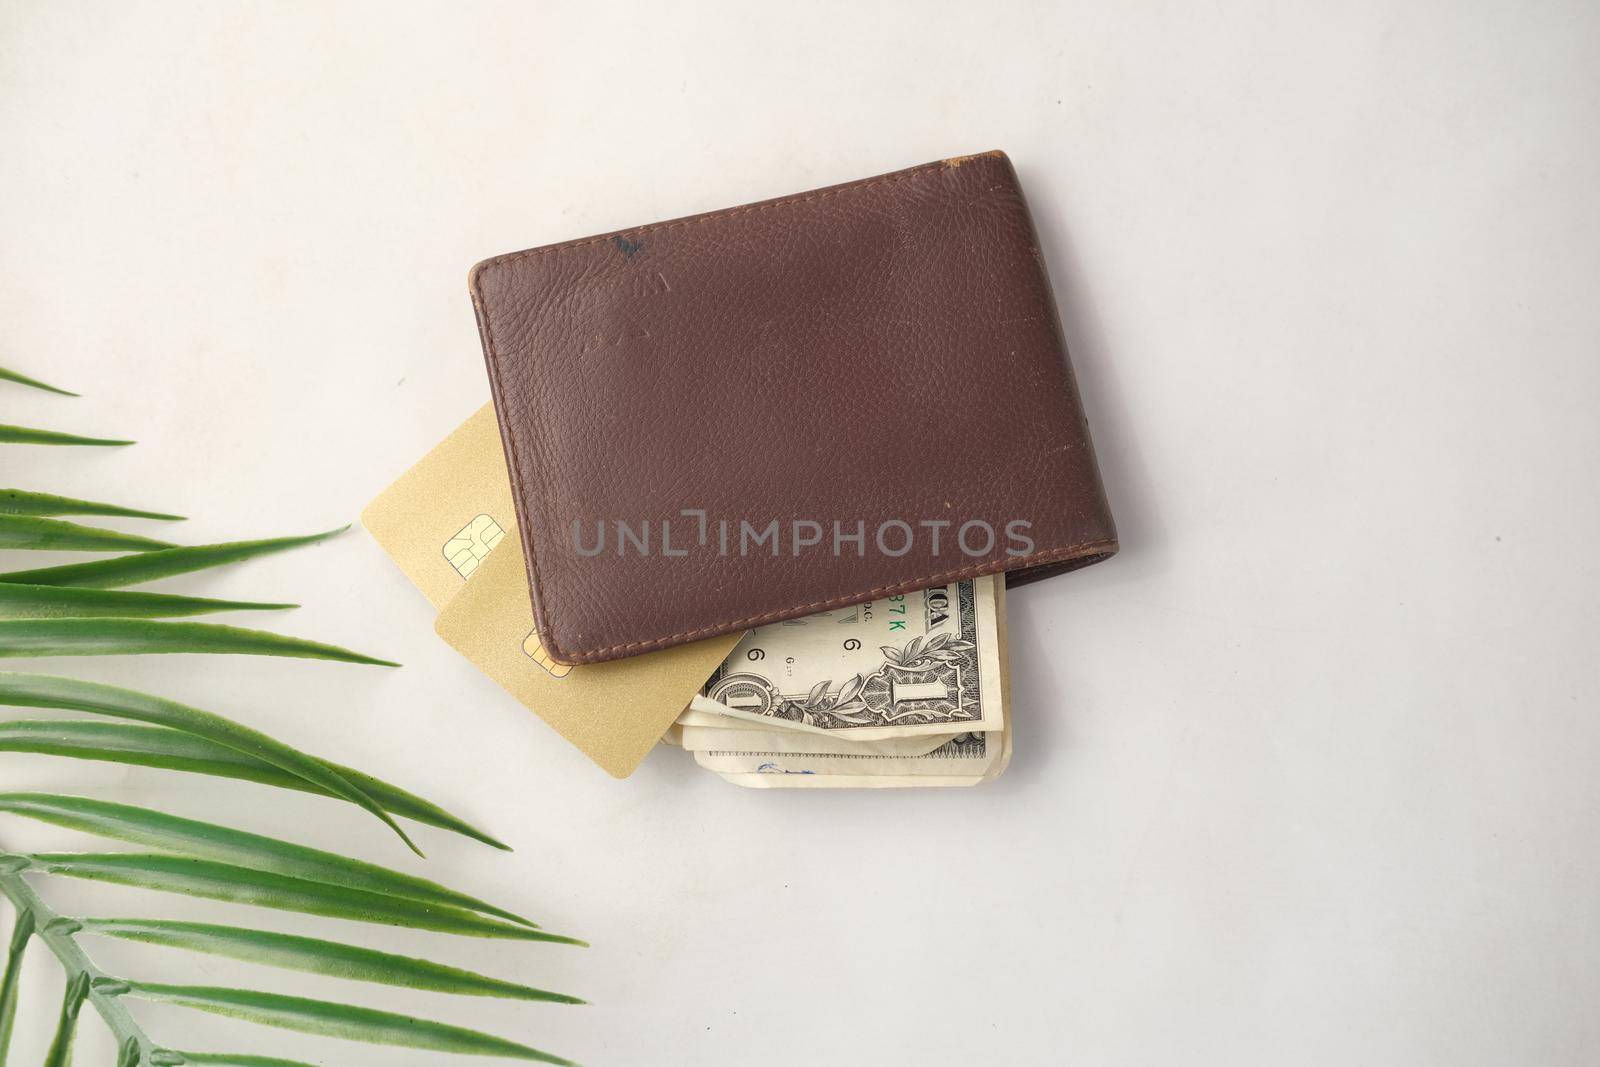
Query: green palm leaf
(160, 747)
(339, 1020)
(25, 435)
(55, 933)
(22, 502)
(241, 885)
(316, 956)
(155, 829)
(48, 691)
(79, 609)
(57, 535)
(139, 637)
(60, 1053)
(162, 563)
(68, 602)
(21, 935)
(7, 375)
(237, 1059)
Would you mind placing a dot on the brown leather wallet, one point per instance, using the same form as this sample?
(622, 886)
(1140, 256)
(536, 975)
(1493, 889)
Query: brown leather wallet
(760, 413)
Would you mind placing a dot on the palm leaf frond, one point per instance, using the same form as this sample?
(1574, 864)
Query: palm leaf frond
(155, 829)
(27, 435)
(168, 749)
(339, 1020)
(49, 691)
(316, 956)
(141, 637)
(60, 1054)
(21, 935)
(9, 375)
(81, 609)
(242, 885)
(69, 602)
(162, 563)
(23, 502)
(34, 533)
(56, 933)
(238, 1059)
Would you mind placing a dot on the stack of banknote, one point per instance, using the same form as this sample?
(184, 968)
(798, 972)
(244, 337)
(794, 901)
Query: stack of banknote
(905, 691)
(909, 690)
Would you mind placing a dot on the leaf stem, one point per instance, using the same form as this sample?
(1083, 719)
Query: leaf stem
(56, 933)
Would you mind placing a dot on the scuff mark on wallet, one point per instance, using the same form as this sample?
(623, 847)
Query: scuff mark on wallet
(960, 161)
(612, 340)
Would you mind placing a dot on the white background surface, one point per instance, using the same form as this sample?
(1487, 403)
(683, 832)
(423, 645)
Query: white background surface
(1307, 774)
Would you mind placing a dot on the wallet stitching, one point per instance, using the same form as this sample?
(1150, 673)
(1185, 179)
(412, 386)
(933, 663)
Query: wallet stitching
(849, 187)
(975, 570)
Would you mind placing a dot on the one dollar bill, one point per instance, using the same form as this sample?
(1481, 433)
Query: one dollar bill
(927, 662)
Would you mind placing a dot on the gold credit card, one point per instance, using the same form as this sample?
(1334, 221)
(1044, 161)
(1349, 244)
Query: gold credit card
(444, 516)
(614, 711)
(450, 525)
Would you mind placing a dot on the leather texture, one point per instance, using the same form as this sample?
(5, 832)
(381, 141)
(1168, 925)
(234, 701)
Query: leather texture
(880, 351)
